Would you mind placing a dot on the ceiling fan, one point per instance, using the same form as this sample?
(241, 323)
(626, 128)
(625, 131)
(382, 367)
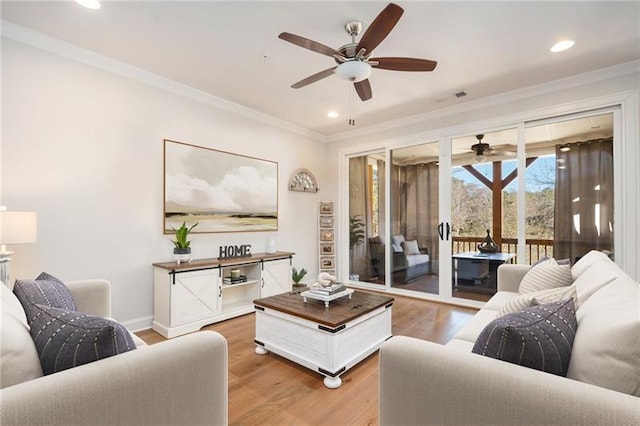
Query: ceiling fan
(481, 150)
(354, 59)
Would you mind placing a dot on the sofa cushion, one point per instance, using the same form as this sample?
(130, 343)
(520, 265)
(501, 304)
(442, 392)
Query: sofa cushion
(538, 337)
(410, 247)
(18, 356)
(586, 261)
(476, 324)
(606, 350)
(417, 259)
(66, 339)
(44, 290)
(545, 275)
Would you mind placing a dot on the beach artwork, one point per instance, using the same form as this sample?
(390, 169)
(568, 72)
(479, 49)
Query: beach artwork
(221, 191)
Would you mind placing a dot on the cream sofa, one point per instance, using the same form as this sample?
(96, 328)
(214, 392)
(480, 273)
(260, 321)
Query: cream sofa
(426, 383)
(182, 381)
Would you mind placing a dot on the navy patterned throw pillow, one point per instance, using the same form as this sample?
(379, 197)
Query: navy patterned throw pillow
(45, 290)
(539, 337)
(66, 339)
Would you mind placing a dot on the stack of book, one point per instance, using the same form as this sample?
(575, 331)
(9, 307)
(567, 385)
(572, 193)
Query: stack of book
(234, 280)
(328, 290)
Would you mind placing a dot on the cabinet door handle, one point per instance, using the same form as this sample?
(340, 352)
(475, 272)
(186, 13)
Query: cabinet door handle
(219, 291)
(262, 282)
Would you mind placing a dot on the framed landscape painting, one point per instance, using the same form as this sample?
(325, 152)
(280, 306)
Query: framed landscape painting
(221, 191)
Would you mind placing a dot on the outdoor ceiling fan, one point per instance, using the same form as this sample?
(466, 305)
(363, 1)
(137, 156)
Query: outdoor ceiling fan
(354, 59)
(481, 150)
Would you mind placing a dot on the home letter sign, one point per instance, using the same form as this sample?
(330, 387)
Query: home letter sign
(227, 252)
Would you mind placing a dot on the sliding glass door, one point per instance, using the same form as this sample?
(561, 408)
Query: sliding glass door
(484, 201)
(439, 218)
(414, 204)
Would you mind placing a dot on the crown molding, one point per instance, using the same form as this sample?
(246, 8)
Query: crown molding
(53, 45)
(602, 74)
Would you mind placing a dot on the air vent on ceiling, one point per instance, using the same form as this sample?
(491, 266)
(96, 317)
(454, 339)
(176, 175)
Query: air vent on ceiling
(460, 94)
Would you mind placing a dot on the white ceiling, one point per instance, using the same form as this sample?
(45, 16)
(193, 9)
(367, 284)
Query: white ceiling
(231, 49)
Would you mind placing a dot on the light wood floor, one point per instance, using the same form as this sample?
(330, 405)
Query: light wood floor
(270, 390)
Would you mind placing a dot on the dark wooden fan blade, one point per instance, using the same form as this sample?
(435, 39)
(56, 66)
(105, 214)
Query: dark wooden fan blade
(404, 64)
(313, 78)
(363, 88)
(380, 27)
(308, 44)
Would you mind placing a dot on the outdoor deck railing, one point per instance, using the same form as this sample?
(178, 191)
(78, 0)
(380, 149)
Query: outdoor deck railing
(535, 248)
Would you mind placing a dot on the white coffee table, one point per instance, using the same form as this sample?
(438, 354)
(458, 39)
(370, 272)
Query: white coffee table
(328, 340)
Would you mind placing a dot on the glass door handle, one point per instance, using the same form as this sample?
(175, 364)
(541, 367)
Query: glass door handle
(440, 229)
(448, 231)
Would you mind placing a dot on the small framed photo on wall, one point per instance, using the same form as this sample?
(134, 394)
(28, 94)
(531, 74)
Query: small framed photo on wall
(326, 221)
(327, 262)
(326, 235)
(326, 207)
(327, 249)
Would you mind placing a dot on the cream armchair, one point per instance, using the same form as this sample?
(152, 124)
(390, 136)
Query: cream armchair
(182, 381)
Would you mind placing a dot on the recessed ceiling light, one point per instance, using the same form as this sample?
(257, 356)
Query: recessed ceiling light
(333, 114)
(90, 4)
(562, 45)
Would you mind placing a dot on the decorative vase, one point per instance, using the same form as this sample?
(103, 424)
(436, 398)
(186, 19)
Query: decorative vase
(488, 245)
(182, 254)
(271, 245)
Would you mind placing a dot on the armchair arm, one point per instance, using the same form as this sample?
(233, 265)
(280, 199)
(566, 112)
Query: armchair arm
(181, 381)
(425, 383)
(92, 297)
(509, 276)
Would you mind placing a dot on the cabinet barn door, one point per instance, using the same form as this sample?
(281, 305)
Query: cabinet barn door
(276, 277)
(194, 296)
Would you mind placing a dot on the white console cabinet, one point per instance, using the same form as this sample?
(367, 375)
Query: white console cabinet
(188, 296)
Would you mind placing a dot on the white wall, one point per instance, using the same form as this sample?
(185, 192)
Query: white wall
(84, 148)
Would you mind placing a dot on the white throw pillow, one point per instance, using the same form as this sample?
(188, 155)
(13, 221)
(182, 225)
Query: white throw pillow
(516, 304)
(544, 276)
(540, 298)
(600, 273)
(606, 349)
(397, 240)
(556, 295)
(410, 247)
(19, 361)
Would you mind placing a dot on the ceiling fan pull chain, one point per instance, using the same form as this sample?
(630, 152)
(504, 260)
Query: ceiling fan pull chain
(352, 120)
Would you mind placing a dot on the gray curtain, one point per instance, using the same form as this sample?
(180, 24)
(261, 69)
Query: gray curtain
(415, 205)
(583, 199)
(359, 204)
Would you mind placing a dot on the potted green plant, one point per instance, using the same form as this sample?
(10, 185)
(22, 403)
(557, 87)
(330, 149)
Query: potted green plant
(296, 275)
(182, 246)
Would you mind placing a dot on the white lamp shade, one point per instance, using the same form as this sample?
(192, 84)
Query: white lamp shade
(353, 71)
(18, 227)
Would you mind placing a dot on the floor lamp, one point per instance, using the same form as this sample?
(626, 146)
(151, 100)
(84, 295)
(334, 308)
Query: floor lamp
(15, 228)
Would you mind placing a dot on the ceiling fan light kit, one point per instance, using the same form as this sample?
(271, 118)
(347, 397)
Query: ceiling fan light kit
(353, 71)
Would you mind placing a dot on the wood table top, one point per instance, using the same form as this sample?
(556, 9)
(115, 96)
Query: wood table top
(214, 262)
(339, 312)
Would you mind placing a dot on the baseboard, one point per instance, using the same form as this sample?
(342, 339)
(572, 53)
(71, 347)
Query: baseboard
(138, 324)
